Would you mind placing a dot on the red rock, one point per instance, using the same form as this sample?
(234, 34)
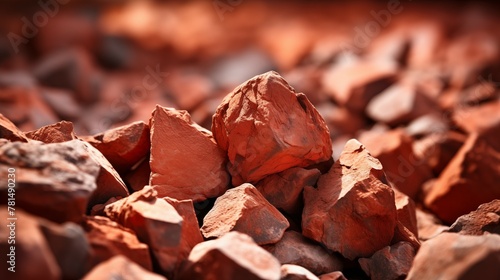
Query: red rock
(472, 120)
(284, 190)
(458, 257)
(340, 120)
(470, 179)
(245, 210)
(352, 211)
(155, 222)
(70, 247)
(138, 176)
(109, 239)
(402, 167)
(406, 228)
(428, 225)
(486, 218)
(123, 146)
(14, 100)
(61, 176)
(265, 128)
(9, 131)
(295, 272)
(33, 256)
(189, 89)
(391, 262)
(54, 133)
(293, 248)
(186, 164)
(336, 275)
(399, 104)
(233, 256)
(119, 267)
(354, 84)
(62, 102)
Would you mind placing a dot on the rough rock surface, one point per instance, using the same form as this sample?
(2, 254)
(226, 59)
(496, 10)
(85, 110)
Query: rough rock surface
(109, 239)
(458, 257)
(120, 267)
(406, 228)
(155, 222)
(486, 218)
(336, 275)
(295, 272)
(200, 175)
(245, 210)
(353, 210)
(32, 251)
(294, 248)
(284, 189)
(253, 124)
(470, 179)
(123, 146)
(428, 225)
(233, 256)
(63, 177)
(390, 263)
(9, 131)
(54, 133)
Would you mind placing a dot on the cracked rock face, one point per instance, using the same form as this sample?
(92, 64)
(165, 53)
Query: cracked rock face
(266, 127)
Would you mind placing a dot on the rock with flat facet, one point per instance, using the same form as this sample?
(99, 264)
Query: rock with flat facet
(54, 133)
(185, 162)
(9, 131)
(155, 222)
(120, 267)
(391, 263)
(352, 211)
(245, 210)
(295, 272)
(123, 146)
(109, 239)
(406, 228)
(354, 84)
(138, 176)
(458, 257)
(32, 256)
(486, 218)
(284, 189)
(429, 226)
(395, 151)
(58, 181)
(266, 127)
(336, 275)
(294, 248)
(70, 247)
(470, 179)
(233, 256)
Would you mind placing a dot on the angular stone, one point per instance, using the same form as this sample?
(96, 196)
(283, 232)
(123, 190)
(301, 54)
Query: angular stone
(265, 128)
(245, 210)
(470, 179)
(233, 256)
(62, 102)
(295, 272)
(54, 133)
(9, 131)
(138, 176)
(458, 257)
(155, 222)
(123, 146)
(391, 263)
(354, 84)
(486, 218)
(31, 250)
(352, 211)
(428, 225)
(120, 267)
(336, 275)
(109, 239)
(294, 248)
(186, 163)
(70, 247)
(406, 228)
(403, 168)
(284, 190)
(55, 181)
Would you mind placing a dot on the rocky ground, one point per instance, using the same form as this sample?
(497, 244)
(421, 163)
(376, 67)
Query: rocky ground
(249, 140)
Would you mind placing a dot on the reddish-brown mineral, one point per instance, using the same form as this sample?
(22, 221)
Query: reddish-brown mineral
(120, 267)
(9, 131)
(54, 133)
(245, 210)
(265, 128)
(391, 262)
(186, 163)
(352, 211)
(233, 256)
(296, 272)
(486, 218)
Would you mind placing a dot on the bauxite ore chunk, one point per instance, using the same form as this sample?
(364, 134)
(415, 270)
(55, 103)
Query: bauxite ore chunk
(266, 127)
